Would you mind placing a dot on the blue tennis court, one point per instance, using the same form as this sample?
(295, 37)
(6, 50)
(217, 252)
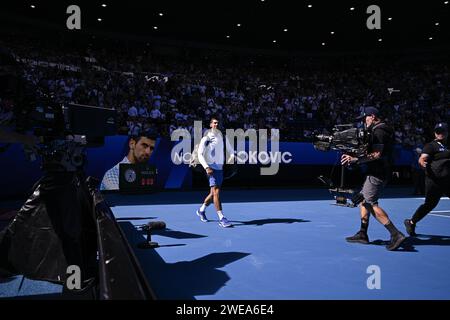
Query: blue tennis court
(293, 248)
(285, 244)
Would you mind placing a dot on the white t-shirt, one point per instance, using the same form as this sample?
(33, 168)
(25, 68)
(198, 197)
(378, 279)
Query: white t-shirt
(211, 152)
(110, 180)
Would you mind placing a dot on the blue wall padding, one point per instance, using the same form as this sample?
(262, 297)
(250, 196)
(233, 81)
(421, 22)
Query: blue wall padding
(17, 175)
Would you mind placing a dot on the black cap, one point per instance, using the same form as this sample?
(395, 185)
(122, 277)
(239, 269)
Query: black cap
(369, 111)
(441, 127)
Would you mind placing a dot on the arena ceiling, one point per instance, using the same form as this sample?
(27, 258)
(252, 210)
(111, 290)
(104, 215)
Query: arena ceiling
(266, 24)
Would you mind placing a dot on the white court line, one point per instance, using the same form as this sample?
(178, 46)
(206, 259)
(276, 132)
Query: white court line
(442, 198)
(434, 213)
(439, 215)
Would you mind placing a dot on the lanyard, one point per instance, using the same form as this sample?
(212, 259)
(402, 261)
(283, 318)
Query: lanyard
(441, 145)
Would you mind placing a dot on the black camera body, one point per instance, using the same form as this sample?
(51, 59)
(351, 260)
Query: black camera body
(349, 140)
(345, 138)
(64, 130)
(57, 121)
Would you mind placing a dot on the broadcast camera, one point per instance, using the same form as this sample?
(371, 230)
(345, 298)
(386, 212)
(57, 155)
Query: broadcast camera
(60, 210)
(63, 130)
(345, 138)
(348, 140)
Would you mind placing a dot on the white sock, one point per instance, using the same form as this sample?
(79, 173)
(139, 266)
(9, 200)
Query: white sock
(203, 208)
(220, 214)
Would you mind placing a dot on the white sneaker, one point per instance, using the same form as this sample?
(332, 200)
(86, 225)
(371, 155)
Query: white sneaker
(202, 216)
(224, 223)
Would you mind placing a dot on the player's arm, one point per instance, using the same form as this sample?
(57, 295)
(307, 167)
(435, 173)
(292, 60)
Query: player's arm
(229, 154)
(201, 155)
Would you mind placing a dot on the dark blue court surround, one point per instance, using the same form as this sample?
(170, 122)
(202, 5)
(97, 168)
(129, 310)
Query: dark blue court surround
(170, 176)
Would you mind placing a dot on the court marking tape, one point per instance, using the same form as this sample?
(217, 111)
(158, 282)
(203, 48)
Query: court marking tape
(435, 213)
(442, 198)
(439, 215)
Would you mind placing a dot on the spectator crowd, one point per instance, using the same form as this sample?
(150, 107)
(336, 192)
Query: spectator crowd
(166, 92)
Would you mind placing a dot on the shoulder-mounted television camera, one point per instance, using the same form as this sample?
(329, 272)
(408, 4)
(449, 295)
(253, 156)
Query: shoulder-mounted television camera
(349, 140)
(345, 138)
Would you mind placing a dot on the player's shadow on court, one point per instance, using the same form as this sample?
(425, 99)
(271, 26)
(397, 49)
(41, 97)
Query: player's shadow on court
(182, 280)
(420, 240)
(262, 222)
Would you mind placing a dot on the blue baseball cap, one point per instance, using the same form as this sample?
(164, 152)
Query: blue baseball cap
(441, 127)
(369, 111)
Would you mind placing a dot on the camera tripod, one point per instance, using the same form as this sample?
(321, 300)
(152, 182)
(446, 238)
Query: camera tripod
(54, 229)
(340, 193)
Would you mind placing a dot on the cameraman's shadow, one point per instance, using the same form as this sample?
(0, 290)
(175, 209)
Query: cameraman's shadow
(180, 280)
(420, 240)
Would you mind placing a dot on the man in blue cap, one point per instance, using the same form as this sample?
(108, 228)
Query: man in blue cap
(435, 159)
(379, 160)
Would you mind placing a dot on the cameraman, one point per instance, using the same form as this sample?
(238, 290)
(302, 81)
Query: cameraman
(379, 169)
(435, 159)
